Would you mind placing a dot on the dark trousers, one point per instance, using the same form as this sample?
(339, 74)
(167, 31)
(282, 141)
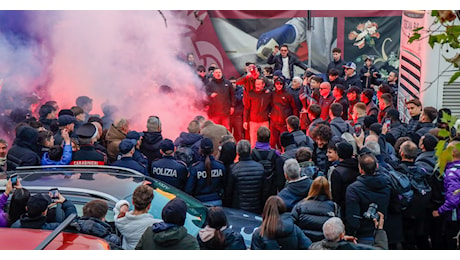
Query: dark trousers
(451, 229)
(236, 127)
(414, 233)
(275, 131)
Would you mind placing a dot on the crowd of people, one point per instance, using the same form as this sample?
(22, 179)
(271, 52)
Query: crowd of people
(323, 160)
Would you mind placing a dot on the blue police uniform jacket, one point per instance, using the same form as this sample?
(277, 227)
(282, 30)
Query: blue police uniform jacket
(129, 162)
(169, 170)
(139, 157)
(197, 184)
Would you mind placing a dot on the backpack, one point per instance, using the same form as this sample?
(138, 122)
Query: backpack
(402, 185)
(269, 171)
(419, 184)
(436, 182)
(311, 172)
(417, 179)
(185, 154)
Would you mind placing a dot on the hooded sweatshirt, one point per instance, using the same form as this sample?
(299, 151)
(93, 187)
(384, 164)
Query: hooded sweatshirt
(132, 227)
(150, 146)
(166, 236)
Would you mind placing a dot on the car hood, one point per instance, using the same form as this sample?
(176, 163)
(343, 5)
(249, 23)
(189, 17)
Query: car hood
(243, 222)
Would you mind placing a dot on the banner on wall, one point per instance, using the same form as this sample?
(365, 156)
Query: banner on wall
(232, 38)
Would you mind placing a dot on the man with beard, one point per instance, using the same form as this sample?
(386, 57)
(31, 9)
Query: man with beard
(256, 110)
(221, 99)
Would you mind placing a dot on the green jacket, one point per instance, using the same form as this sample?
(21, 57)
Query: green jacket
(165, 236)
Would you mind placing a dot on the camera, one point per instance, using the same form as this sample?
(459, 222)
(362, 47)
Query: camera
(371, 212)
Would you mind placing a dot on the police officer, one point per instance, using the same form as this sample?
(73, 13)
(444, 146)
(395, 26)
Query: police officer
(206, 179)
(138, 156)
(88, 155)
(168, 169)
(127, 147)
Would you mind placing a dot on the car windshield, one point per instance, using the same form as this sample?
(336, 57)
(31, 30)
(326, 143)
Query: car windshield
(111, 184)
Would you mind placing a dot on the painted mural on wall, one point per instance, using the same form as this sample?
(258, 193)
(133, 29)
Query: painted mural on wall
(232, 38)
(375, 37)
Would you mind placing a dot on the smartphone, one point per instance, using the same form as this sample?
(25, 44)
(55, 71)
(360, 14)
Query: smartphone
(358, 129)
(388, 122)
(54, 193)
(14, 179)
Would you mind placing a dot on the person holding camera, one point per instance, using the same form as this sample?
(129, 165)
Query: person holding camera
(335, 238)
(368, 193)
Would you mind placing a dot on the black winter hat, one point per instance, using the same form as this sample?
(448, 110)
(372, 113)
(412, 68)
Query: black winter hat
(27, 134)
(286, 139)
(344, 150)
(37, 204)
(175, 212)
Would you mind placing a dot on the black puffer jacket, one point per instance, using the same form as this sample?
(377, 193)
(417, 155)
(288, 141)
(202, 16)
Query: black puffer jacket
(295, 191)
(24, 150)
(288, 237)
(311, 214)
(338, 65)
(320, 158)
(150, 146)
(365, 190)
(344, 174)
(245, 185)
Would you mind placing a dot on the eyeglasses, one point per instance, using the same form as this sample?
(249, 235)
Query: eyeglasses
(348, 68)
(279, 83)
(283, 50)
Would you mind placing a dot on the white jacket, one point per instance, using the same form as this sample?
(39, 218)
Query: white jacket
(132, 227)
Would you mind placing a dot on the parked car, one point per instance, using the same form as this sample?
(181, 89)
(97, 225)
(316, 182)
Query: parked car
(28, 239)
(38, 239)
(81, 184)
